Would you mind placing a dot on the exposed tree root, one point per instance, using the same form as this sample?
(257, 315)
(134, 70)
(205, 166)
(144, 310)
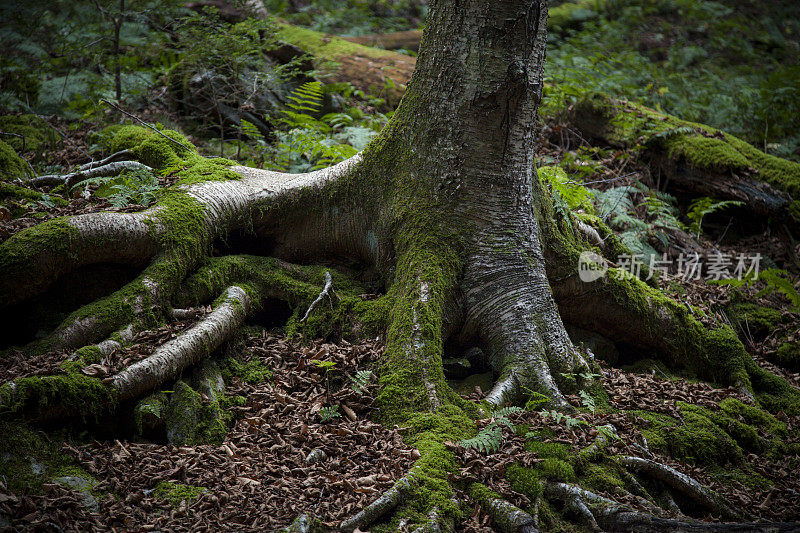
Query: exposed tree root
(327, 291)
(680, 482)
(380, 507)
(509, 518)
(193, 345)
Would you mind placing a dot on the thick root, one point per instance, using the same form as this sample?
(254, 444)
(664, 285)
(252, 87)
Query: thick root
(381, 507)
(196, 343)
(681, 483)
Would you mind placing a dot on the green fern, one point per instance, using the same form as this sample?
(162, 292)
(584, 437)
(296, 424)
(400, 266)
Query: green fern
(701, 207)
(779, 280)
(360, 380)
(488, 440)
(505, 411)
(329, 413)
(672, 132)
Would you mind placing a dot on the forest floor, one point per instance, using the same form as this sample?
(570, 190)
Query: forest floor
(264, 474)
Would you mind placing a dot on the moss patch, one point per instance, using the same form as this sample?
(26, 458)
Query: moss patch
(190, 420)
(11, 165)
(38, 135)
(626, 124)
(175, 493)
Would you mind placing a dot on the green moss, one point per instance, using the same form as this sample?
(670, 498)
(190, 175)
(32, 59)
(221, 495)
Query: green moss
(8, 190)
(752, 319)
(325, 46)
(71, 393)
(175, 493)
(118, 138)
(11, 165)
(149, 147)
(251, 371)
(753, 415)
(656, 429)
(788, 356)
(149, 412)
(549, 449)
(556, 470)
(38, 135)
(744, 434)
(601, 477)
(628, 125)
(774, 393)
(525, 480)
(190, 420)
(744, 476)
(23, 248)
(27, 457)
(88, 355)
(698, 439)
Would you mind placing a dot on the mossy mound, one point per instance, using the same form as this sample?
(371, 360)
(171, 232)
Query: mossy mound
(752, 319)
(149, 147)
(29, 458)
(37, 134)
(190, 420)
(175, 493)
(12, 165)
(625, 124)
(788, 356)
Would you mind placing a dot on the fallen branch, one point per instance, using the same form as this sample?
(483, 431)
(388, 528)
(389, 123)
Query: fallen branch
(117, 156)
(70, 179)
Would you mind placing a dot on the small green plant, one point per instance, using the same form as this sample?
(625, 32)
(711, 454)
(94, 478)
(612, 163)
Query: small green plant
(701, 207)
(489, 439)
(587, 401)
(640, 227)
(44, 201)
(328, 413)
(360, 380)
(535, 399)
(138, 187)
(559, 417)
(327, 367)
(778, 280)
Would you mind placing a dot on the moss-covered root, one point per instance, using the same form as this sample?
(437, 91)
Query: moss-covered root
(681, 483)
(191, 417)
(193, 345)
(380, 508)
(698, 159)
(507, 518)
(627, 310)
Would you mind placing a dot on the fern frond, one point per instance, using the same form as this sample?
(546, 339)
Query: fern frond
(360, 380)
(328, 413)
(488, 440)
(505, 411)
(306, 98)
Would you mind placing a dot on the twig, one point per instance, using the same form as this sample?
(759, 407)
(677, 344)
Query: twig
(145, 124)
(326, 291)
(76, 177)
(118, 156)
